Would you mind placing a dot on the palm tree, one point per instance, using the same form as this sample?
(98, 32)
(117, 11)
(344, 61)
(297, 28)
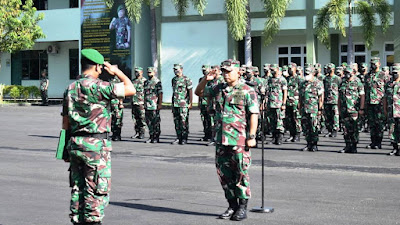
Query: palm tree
(134, 9)
(335, 11)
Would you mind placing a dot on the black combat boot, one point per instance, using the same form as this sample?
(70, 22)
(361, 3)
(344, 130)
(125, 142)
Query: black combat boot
(291, 138)
(345, 149)
(314, 147)
(333, 133)
(233, 206)
(150, 140)
(354, 148)
(272, 141)
(373, 143)
(378, 142)
(278, 139)
(395, 149)
(119, 133)
(241, 212)
(93, 223)
(308, 147)
(176, 141)
(141, 134)
(296, 137)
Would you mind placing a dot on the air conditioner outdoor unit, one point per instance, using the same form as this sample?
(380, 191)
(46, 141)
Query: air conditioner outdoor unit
(52, 49)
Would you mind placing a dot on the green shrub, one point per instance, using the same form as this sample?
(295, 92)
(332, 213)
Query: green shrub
(25, 93)
(34, 91)
(15, 93)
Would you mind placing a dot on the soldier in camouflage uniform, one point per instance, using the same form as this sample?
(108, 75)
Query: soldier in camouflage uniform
(117, 114)
(339, 72)
(362, 75)
(153, 96)
(122, 26)
(237, 110)
(331, 87)
(292, 104)
(321, 118)
(212, 101)
(88, 123)
(277, 94)
(311, 103)
(374, 98)
(182, 98)
(44, 85)
(351, 105)
(204, 113)
(392, 110)
(138, 111)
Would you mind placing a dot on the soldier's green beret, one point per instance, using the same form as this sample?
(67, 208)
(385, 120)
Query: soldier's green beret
(364, 65)
(339, 68)
(93, 55)
(255, 69)
(230, 64)
(375, 59)
(137, 68)
(178, 66)
(280, 69)
(292, 64)
(299, 68)
(206, 67)
(344, 64)
(331, 65)
(385, 68)
(249, 69)
(317, 66)
(151, 69)
(306, 65)
(120, 7)
(285, 67)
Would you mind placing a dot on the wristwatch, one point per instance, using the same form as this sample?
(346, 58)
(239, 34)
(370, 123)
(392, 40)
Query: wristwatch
(252, 136)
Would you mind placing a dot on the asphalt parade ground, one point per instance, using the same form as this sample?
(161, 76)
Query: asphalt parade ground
(165, 184)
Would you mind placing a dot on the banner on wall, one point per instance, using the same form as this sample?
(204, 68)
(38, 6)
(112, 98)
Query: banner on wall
(108, 30)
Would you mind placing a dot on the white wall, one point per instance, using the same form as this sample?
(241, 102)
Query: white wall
(192, 44)
(269, 54)
(5, 71)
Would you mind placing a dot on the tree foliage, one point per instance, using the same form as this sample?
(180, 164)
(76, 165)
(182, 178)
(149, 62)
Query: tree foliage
(18, 25)
(334, 12)
(275, 11)
(237, 17)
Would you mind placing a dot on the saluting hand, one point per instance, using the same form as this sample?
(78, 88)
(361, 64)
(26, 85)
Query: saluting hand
(111, 69)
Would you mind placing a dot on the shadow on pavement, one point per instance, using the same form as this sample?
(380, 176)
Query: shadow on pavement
(159, 209)
(43, 136)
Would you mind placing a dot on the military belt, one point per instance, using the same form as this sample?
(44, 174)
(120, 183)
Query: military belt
(93, 135)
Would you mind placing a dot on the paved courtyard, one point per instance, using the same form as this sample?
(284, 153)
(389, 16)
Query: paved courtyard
(174, 184)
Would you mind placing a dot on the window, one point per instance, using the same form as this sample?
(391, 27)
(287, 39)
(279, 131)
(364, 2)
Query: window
(38, 4)
(73, 63)
(389, 54)
(73, 4)
(359, 50)
(33, 62)
(288, 54)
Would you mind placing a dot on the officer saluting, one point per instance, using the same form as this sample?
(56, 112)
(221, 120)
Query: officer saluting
(236, 125)
(87, 118)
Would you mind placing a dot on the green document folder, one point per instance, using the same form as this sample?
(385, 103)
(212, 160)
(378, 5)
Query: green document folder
(61, 145)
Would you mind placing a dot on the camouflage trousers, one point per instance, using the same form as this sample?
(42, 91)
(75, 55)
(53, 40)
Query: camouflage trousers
(276, 116)
(116, 119)
(310, 126)
(395, 135)
(139, 118)
(350, 129)
(332, 117)
(376, 120)
(181, 120)
(293, 118)
(90, 178)
(45, 99)
(153, 121)
(321, 120)
(232, 164)
(206, 119)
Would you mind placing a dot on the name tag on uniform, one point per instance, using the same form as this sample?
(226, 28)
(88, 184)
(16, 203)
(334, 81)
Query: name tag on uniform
(238, 98)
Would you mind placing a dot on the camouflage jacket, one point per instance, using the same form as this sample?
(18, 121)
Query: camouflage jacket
(293, 90)
(310, 91)
(43, 83)
(213, 100)
(234, 107)
(203, 100)
(152, 89)
(392, 95)
(321, 77)
(87, 104)
(376, 87)
(275, 91)
(138, 99)
(331, 86)
(350, 93)
(115, 102)
(261, 88)
(180, 91)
